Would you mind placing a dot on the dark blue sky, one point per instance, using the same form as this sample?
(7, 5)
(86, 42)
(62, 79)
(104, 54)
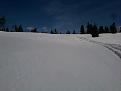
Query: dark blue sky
(60, 14)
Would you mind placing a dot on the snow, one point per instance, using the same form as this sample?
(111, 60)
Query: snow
(45, 62)
(109, 38)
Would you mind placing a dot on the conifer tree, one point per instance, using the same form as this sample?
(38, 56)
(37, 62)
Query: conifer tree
(120, 29)
(113, 28)
(7, 30)
(68, 32)
(20, 29)
(55, 32)
(94, 31)
(34, 30)
(2, 23)
(51, 32)
(101, 29)
(82, 29)
(16, 28)
(106, 29)
(74, 32)
(89, 28)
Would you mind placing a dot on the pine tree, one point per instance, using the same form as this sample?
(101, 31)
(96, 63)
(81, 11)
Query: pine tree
(55, 32)
(113, 28)
(3, 29)
(2, 23)
(106, 29)
(82, 29)
(7, 30)
(51, 32)
(94, 31)
(16, 28)
(89, 28)
(68, 32)
(74, 32)
(34, 30)
(20, 29)
(120, 29)
(101, 29)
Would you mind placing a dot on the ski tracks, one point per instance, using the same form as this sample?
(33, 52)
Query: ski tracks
(115, 48)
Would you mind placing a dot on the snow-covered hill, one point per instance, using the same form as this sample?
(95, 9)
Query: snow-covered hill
(45, 62)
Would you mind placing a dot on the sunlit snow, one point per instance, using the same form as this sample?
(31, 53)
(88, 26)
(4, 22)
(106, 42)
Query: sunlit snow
(45, 62)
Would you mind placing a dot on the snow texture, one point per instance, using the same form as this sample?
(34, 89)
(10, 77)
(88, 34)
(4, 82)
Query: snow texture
(45, 62)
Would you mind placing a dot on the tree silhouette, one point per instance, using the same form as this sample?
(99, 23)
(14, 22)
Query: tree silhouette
(68, 32)
(2, 22)
(34, 30)
(82, 29)
(94, 31)
(107, 29)
(74, 32)
(55, 32)
(89, 28)
(113, 28)
(20, 29)
(7, 30)
(120, 29)
(51, 31)
(16, 28)
(101, 29)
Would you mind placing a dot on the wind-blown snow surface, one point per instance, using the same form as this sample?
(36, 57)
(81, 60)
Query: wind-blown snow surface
(44, 62)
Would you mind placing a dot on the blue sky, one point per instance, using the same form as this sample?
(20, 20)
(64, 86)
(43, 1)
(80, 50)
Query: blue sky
(60, 14)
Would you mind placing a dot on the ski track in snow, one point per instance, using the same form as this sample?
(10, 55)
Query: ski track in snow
(115, 48)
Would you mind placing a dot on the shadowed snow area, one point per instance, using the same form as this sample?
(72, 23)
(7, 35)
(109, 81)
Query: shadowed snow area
(45, 62)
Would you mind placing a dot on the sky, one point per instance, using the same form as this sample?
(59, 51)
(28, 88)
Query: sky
(60, 14)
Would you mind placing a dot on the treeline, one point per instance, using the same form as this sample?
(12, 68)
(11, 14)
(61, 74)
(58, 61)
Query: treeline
(15, 29)
(92, 29)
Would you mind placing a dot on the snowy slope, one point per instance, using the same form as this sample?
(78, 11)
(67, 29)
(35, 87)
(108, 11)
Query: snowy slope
(45, 62)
